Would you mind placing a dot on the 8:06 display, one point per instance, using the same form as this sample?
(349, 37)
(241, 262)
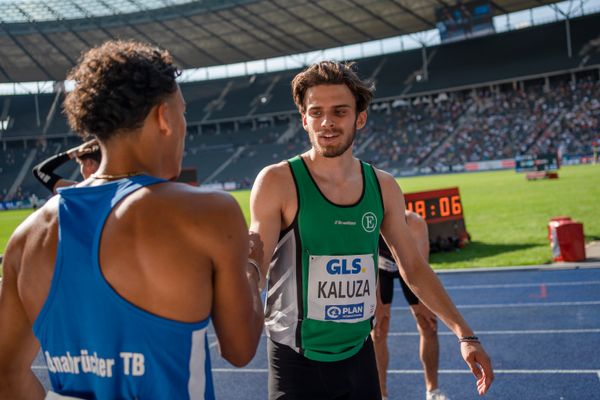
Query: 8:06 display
(443, 211)
(436, 205)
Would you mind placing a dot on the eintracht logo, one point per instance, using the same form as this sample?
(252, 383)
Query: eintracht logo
(369, 222)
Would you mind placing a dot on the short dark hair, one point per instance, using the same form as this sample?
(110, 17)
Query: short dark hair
(93, 155)
(332, 73)
(116, 86)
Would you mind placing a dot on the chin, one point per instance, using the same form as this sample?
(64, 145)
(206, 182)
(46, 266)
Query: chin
(331, 152)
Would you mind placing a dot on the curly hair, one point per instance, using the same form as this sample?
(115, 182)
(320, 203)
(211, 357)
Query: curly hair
(116, 86)
(94, 155)
(332, 73)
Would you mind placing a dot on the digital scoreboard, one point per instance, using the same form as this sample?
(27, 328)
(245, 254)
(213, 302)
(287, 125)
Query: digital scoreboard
(537, 162)
(442, 210)
(465, 20)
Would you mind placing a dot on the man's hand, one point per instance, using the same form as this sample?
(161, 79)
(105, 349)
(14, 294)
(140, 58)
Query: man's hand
(479, 363)
(256, 250)
(256, 255)
(88, 147)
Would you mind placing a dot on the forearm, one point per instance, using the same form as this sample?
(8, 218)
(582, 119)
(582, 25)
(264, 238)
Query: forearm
(428, 288)
(258, 319)
(238, 319)
(264, 241)
(44, 171)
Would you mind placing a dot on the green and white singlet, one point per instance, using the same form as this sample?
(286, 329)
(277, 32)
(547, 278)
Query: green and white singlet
(323, 277)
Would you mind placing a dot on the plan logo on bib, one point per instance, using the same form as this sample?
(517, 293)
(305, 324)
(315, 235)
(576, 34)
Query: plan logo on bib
(344, 311)
(369, 222)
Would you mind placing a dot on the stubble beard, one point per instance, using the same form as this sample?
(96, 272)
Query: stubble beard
(333, 151)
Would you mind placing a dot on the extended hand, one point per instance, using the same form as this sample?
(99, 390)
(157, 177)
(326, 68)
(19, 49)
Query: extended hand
(479, 363)
(256, 246)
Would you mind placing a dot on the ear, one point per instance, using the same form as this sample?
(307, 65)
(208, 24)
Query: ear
(361, 120)
(304, 123)
(163, 118)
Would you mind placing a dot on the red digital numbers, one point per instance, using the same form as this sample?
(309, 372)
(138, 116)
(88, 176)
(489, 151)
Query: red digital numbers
(442, 207)
(456, 206)
(418, 207)
(450, 206)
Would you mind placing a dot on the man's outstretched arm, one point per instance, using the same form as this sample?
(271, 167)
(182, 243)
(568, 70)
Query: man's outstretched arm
(424, 282)
(266, 210)
(44, 172)
(237, 308)
(18, 345)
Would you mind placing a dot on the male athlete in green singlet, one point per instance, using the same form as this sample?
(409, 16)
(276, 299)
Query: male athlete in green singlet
(318, 217)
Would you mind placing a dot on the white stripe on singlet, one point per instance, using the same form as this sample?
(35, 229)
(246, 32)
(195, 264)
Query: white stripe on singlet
(197, 382)
(55, 396)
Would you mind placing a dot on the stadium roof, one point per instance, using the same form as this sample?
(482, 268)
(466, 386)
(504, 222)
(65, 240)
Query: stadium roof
(41, 40)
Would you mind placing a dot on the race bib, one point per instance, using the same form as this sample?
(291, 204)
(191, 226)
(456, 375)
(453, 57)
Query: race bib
(341, 288)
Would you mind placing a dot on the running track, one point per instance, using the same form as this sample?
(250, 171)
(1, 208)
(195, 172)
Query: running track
(541, 326)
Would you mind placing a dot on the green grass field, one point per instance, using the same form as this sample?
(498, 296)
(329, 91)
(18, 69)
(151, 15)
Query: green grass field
(9, 220)
(505, 214)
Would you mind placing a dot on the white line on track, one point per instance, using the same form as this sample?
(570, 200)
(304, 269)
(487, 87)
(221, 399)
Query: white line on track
(497, 332)
(513, 305)
(451, 371)
(502, 371)
(420, 371)
(511, 332)
(520, 285)
(446, 371)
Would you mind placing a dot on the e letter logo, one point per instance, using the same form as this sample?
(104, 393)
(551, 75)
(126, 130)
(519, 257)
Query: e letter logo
(369, 222)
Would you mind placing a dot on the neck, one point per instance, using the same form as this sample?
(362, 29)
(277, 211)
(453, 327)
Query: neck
(123, 157)
(110, 177)
(337, 169)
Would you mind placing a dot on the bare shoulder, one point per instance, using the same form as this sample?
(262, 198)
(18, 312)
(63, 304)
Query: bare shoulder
(30, 255)
(170, 217)
(393, 202)
(37, 227)
(171, 201)
(384, 176)
(275, 182)
(388, 183)
(275, 174)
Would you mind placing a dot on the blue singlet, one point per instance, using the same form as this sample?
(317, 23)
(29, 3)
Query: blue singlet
(97, 345)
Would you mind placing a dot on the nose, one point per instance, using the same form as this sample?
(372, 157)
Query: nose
(327, 122)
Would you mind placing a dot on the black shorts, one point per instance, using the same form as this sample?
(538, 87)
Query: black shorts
(386, 288)
(295, 377)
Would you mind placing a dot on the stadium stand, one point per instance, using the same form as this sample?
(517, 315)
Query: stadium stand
(486, 98)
